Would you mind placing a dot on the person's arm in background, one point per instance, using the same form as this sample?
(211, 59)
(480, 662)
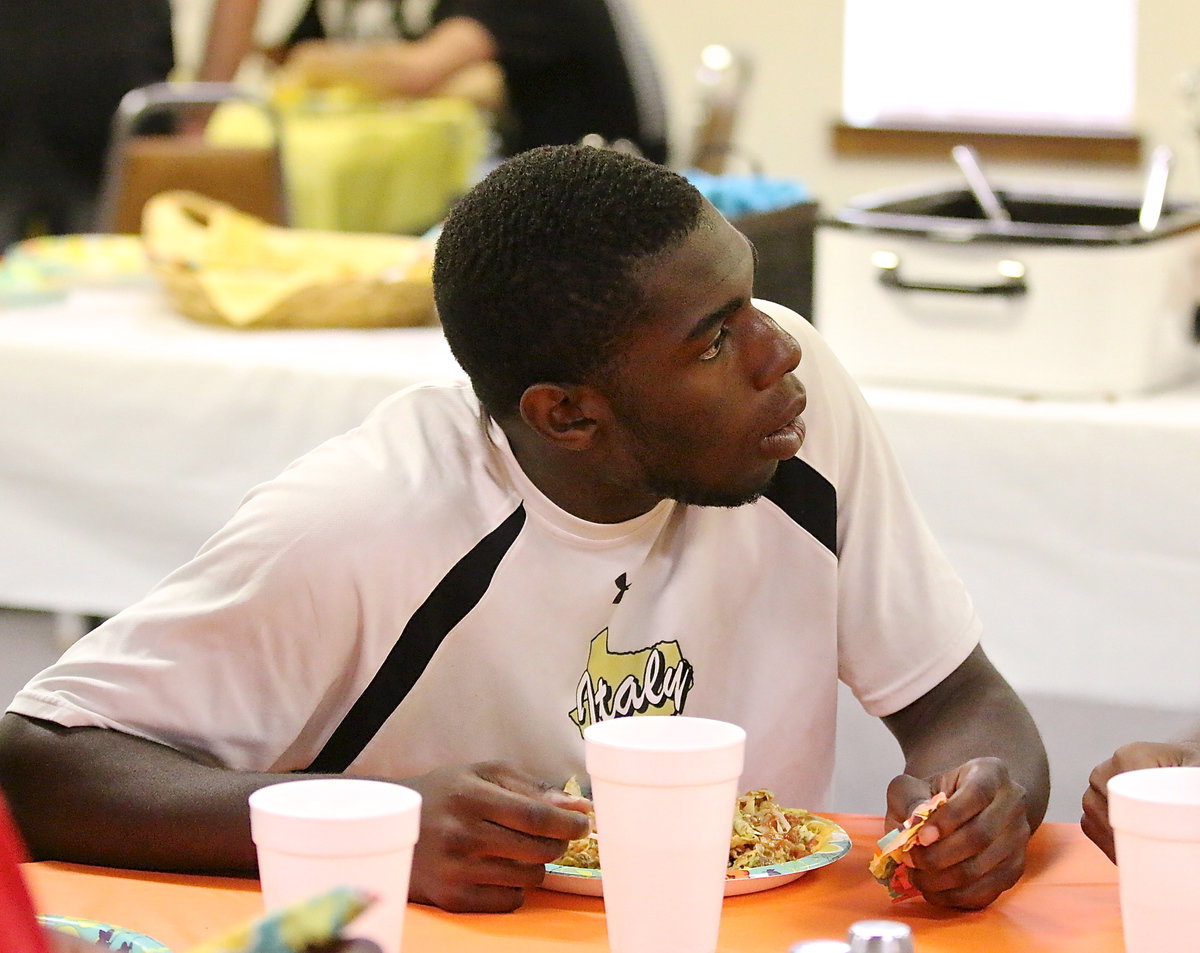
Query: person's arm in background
(1130, 757)
(98, 796)
(972, 738)
(230, 39)
(393, 68)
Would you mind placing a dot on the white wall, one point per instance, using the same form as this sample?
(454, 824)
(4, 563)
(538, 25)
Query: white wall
(796, 90)
(796, 94)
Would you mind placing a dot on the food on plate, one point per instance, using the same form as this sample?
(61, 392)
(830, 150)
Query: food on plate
(887, 866)
(766, 833)
(763, 833)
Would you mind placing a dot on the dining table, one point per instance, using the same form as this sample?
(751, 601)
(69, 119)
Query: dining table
(1066, 902)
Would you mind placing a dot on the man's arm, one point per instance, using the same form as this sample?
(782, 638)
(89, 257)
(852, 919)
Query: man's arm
(1130, 757)
(96, 796)
(972, 738)
(92, 795)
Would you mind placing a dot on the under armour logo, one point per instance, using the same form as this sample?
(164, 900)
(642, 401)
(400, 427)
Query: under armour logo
(622, 588)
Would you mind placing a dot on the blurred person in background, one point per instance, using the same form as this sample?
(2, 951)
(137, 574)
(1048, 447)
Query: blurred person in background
(64, 67)
(570, 67)
(1130, 757)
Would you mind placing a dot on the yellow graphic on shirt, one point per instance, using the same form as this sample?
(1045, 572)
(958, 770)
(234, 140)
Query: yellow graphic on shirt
(654, 680)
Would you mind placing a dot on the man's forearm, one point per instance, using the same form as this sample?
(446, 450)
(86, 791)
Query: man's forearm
(976, 715)
(90, 795)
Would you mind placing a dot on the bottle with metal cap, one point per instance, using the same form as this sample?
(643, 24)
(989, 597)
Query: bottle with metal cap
(880, 936)
(820, 946)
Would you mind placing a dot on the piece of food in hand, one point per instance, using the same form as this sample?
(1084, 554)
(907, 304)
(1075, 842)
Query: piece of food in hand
(887, 866)
(763, 833)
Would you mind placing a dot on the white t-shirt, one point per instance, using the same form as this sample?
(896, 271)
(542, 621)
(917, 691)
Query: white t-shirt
(403, 597)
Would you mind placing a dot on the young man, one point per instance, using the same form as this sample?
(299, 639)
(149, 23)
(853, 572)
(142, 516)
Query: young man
(636, 508)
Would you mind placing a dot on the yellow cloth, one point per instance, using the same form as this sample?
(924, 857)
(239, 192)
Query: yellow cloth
(221, 265)
(351, 165)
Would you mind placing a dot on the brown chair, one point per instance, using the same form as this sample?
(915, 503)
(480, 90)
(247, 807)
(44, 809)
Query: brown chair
(140, 166)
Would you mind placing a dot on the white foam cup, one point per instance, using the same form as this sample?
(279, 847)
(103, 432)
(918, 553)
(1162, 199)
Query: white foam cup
(1155, 816)
(318, 833)
(664, 790)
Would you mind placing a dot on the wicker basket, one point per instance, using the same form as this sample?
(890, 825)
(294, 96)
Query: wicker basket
(221, 266)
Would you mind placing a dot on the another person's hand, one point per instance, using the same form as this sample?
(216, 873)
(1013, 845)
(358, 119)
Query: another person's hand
(972, 848)
(315, 64)
(1130, 757)
(487, 830)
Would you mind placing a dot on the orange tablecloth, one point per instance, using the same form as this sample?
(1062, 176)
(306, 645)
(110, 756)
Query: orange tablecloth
(1066, 903)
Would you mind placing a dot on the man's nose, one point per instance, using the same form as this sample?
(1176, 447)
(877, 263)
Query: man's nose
(780, 354)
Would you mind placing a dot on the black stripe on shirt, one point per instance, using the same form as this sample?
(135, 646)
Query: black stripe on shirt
(808, 498)
(457, 594)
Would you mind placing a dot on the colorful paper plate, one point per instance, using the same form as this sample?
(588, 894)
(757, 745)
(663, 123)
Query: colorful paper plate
(581, 880)
(104, 935)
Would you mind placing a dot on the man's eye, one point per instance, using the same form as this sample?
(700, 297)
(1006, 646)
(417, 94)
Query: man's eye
(715, 348)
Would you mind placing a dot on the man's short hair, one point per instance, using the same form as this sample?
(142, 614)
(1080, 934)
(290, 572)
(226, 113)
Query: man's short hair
(534, 274)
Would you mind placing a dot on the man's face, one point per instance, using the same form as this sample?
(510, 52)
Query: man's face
(704, 398)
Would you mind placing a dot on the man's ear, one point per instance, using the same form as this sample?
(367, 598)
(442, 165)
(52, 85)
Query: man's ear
(566, 415)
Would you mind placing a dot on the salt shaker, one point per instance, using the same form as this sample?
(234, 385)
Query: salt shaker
(880, 936)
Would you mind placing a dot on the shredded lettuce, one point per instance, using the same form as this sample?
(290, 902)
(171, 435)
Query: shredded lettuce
(763, 833)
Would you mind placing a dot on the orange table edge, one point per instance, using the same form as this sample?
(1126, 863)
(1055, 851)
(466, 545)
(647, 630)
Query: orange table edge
(1066, 903)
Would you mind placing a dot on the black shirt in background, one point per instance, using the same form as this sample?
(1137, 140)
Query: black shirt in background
(566, 73)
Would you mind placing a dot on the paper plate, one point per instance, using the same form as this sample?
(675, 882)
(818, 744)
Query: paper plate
(585, 881)
(104, 935)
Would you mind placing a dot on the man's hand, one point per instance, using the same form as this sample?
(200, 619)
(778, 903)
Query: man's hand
(486, 832)
(1131, 757)
(972, 848)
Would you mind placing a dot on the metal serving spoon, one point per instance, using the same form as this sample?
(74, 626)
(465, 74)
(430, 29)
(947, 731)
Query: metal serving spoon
(968, 161)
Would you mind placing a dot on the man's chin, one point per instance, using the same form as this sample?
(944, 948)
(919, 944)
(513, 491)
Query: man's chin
(720, 496)
(726, 501)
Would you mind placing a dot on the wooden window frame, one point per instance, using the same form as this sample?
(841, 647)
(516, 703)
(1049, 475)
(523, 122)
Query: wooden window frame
(919, 141)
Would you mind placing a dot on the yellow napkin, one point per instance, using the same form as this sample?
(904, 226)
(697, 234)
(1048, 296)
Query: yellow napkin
(310, 923)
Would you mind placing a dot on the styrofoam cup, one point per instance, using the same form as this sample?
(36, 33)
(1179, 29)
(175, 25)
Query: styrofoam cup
(664, 790)
(1155, 817)
(318, 833)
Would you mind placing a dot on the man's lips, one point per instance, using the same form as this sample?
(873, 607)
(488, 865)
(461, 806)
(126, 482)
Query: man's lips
(785, 442)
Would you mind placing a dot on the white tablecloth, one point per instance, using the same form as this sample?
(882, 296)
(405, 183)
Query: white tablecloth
(128, 435)
(1076, 526)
